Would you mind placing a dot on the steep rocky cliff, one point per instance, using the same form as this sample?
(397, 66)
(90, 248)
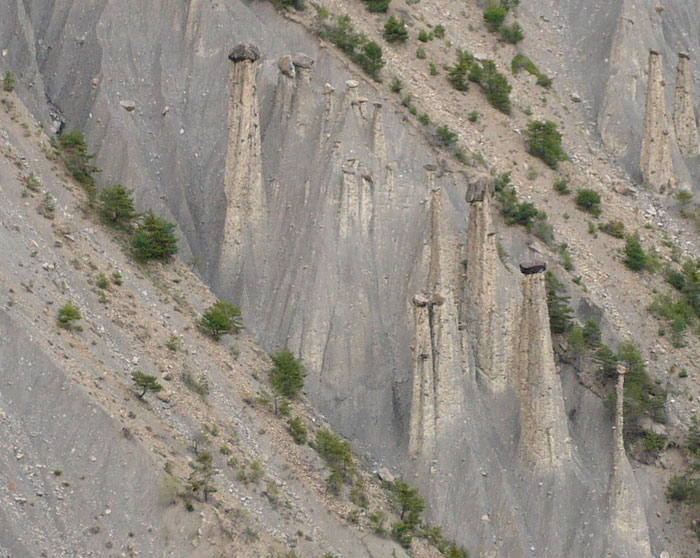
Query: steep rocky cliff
(304, 192)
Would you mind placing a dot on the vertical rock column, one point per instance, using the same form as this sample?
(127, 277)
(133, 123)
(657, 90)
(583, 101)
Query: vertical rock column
(243, 185)
(544, 438)
(656, 164)
(629, 531)
(480, 279)
(684, 123)
(437, 359)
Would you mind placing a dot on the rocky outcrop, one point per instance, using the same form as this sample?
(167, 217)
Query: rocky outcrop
(684, 122)
(630, 534)
(544, 438)
(656, 164)
(243, 184)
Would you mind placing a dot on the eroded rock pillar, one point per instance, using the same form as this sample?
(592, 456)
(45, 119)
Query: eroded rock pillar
(656, 164)
(544, 438)
(630, 533)
(684, 123)
(243, 185)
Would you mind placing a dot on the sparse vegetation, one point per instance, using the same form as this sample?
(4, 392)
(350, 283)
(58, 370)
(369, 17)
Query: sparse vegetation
(297, 430)
(446, 136)
(221, 318)
(522, 62)
(635, 257)
(511, 34)
(561, 186)
(615, 229)
(68, 315)
(155, 239)
(377, 6)
(544, 142)
(116, 207)
(396, 85)
(8, 84)
(200, 385)
(494, 15)
(494, 84)
(395, 31)
(145, 383)
(588, 200)
(338, 456)
(72, 150)
(560, 313)
(287, 374)
(47, 206)
(340, 31)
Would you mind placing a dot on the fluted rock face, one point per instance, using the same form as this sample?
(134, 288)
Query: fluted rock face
(544, 438)
(684, 122)
(656, 164)
(630, 534)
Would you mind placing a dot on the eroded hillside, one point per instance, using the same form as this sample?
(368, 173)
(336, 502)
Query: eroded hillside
(335, 212)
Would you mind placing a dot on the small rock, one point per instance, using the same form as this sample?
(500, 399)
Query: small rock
(575, 97)
(385, 475)
(486, 518)
(128, 105)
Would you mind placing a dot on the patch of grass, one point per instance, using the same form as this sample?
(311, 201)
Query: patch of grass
(200, 385)
(522, 62)
(561, 186)
(615, 229)
(297, 430)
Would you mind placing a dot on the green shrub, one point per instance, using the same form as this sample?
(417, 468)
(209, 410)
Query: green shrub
(154, 239)
(446, 136)
(72, 150)
(560, 312)
(287, 374)
(433, 68)
(543, 230)
(420, 53)
(502, 181)
(47, 206)
(297, 430)
(544, 142)
(377, 520)
(145, 383)
(424, 119)
(336, 452)
(222, 317)
(424, 36)
(402, 533)
(457, 74)
(8, 84)
(409, 504)
(358, 496)
(683, 489)
(615, 229)
(643, 398)
(512, 34)
(395, 31)
(653, 443)
(591, 333)
(439, 31)
(607, 361)
(377, 6)
(200, 385)
(396, 85)
(494, 16)
(522, 62)
(365, 53)
(493, 83)
(635, 257)
(67, 316)
(116, 207)
(473, 116)
(102, 282)
(286, 4)
(588, 200)
(514, 212)
(561, 186)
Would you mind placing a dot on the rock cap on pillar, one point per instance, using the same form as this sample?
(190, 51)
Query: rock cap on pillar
(684, 55)
(533, 267)
(244, 51)
(479, 186)
(301, 60)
